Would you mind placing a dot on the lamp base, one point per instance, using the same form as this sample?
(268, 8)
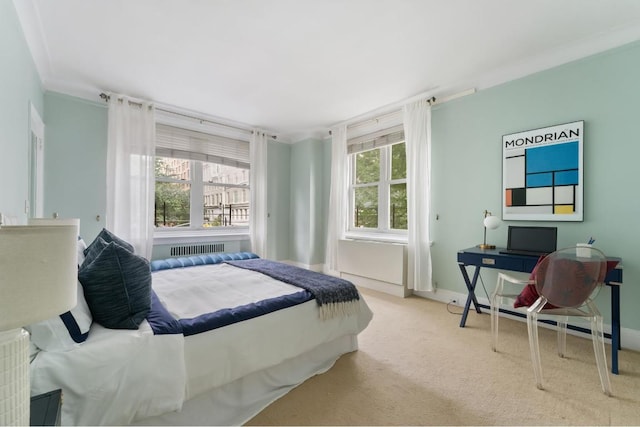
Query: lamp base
(14, 368)
(485, 246)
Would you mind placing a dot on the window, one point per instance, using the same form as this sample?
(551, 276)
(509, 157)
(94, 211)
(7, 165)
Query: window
(173, 192)
(202, 180)
(378, 190)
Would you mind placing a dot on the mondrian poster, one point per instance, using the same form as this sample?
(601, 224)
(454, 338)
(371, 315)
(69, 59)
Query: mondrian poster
(542, 174)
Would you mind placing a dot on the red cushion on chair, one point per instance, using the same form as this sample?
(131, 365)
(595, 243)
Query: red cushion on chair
(569, 284)
(529, 295)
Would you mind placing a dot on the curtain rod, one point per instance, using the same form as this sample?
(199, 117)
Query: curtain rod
(201, 120)
(431, 101)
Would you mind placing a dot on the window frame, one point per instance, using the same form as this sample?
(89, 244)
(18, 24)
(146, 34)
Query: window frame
(196, 198)
(170, 180)
(218, 131)
(384, 183)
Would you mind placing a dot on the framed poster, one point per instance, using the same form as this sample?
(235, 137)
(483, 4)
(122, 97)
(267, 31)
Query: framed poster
(542, 174)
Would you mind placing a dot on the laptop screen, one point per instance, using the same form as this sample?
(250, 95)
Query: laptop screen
(534, 239)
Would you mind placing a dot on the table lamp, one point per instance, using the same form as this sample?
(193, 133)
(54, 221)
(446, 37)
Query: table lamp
(491, 222)
(38, 280)
(56, 221)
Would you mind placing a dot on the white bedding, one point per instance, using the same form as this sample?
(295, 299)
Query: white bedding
(115, 377)
(120, 377)
(245, 347)
(189, 292)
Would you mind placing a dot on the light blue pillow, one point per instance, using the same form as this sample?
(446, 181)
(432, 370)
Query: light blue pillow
(117, 287)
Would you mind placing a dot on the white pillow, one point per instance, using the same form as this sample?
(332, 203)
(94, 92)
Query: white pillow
(64, 332)
(81, 247)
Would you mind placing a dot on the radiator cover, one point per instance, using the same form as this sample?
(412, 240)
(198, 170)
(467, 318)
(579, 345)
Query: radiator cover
(377, 265)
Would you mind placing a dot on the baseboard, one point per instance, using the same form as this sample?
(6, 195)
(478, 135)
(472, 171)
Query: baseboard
(630, 338)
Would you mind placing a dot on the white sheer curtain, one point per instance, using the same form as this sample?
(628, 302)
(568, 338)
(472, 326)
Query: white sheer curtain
(417, 131)
(336, 226)
(130, 172)
(258, 184)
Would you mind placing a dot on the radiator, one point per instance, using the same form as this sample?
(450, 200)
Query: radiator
(186, 250)
(380, 266)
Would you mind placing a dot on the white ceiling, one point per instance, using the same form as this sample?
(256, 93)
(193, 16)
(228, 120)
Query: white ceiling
(296, 67)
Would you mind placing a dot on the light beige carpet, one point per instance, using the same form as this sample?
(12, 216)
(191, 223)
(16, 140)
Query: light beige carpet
(416, 366)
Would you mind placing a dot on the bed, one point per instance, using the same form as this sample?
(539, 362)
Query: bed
(221, 341)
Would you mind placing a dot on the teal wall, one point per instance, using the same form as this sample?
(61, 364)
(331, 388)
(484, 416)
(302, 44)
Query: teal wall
(19, 86)
(75, 161)
(603, 90)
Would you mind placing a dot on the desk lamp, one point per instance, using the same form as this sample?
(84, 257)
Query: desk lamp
(38, 280)
(491, 222)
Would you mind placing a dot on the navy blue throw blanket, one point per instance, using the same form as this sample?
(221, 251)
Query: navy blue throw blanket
(163, 323)
(333, 295)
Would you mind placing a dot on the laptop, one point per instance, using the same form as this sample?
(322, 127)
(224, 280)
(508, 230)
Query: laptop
(531, 241)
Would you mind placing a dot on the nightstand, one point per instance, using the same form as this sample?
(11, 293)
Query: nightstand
(46, 409)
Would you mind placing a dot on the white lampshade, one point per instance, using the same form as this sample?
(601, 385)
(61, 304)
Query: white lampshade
(56, 221)
(491, 222)
(38, 273)
(38, 280)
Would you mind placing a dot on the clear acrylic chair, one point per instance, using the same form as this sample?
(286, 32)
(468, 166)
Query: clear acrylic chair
(507, 288)
(567, 281)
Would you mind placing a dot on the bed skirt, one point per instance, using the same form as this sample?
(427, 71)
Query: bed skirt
(239, 401)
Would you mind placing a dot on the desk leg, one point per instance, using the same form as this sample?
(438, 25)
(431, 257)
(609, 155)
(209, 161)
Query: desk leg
(615, 327)
(471, 297)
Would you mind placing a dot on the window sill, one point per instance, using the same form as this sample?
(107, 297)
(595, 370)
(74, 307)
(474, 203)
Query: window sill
(377, 237)
(170, 237)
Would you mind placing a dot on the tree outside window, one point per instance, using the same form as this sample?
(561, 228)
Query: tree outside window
(398, 187)
(173, 188)
(196, 194)
(379, 188)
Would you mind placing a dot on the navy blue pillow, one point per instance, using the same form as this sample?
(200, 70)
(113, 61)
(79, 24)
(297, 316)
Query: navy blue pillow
(108, 237)
(117, 287)
(94, 249)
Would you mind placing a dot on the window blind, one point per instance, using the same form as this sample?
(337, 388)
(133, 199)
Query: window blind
(376, 139)
(188, 144)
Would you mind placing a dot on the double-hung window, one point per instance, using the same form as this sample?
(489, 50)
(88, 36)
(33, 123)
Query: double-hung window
(378, 182)
(202, 180)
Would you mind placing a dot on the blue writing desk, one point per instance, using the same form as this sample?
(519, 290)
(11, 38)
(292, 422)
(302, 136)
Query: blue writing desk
(492, 258)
